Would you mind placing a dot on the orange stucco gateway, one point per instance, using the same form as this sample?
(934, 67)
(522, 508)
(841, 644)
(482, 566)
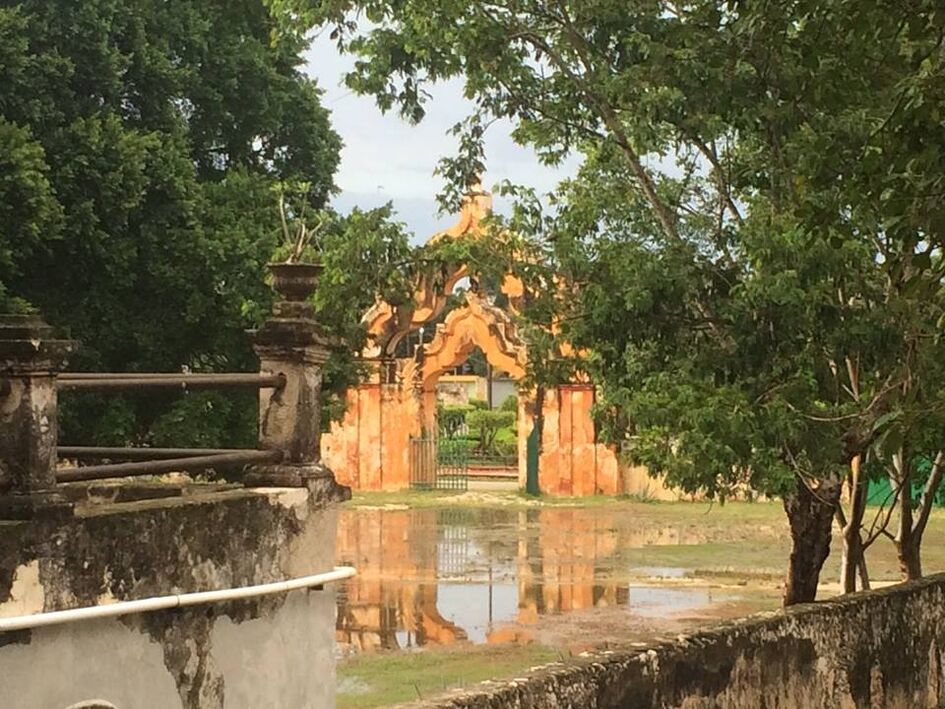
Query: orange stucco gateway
(369, 448)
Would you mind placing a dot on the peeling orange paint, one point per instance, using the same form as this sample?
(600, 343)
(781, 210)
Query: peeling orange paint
(369, 448)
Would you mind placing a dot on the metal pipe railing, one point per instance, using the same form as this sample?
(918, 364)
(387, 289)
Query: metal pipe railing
(180, 600)
(168, 465)
(132, 380)
(139, 453)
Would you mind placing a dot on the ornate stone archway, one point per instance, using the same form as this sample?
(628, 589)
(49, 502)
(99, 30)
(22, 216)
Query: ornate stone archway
(369, 449)
(477, 323)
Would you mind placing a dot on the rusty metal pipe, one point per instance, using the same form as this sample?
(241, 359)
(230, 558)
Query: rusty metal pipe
(68, 382)
(145, 375)
(139, 453)
(170, 465)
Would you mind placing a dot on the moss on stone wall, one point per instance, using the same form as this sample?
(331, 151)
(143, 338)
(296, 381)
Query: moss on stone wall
(875, 649)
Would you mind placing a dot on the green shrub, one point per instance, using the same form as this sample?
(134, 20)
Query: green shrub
(479, 404)
(510, 403)
(487, 424)
(506, 434)
(506, 442)
(451, 418)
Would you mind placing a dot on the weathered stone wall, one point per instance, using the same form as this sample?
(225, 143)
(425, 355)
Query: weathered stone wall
(275, 651)
(370, 448)
(882, 648)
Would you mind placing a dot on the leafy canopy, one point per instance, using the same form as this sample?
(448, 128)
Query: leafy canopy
(754, 241)
(139, 144)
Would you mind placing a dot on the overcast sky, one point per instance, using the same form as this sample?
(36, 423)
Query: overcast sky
(386, 159)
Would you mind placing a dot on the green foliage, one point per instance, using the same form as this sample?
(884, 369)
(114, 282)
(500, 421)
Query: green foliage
(363, 254)
(752, 250)
(506, 441)
(451, 418)
(488, 259)
(510, 403)
(486, 423)
(28, 208)
(793, 234)
(139, 145)
(204, 420)
(479, 404)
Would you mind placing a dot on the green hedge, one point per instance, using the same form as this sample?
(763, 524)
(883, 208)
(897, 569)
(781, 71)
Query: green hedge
(487, 424)
(450, 418)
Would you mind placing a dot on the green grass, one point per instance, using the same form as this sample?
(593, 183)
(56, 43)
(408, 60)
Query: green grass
(415, 499)
(378, 679)
(514, 498)
(762, 559)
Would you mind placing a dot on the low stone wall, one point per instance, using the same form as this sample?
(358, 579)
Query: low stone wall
(882, 648)
(268, 652)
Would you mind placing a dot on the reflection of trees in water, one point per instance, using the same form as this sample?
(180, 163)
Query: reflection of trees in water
(559, 554)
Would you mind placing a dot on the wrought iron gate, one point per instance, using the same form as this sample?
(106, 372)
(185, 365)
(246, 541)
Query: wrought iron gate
(438, 464)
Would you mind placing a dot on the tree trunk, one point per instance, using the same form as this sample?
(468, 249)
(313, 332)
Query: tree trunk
(810, 515)
(864, 574)
(910, 559)
(907, 541)
(853, 559)
(852, 563)
(912, 526)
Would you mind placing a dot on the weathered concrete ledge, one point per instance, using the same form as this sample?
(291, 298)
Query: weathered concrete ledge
(883, 648)
(198, 540)
(274, 651)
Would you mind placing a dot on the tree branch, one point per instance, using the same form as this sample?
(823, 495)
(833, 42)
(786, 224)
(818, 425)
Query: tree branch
(928, 494)
(722, 185)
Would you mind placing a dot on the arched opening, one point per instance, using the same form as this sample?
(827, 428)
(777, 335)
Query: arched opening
(478, 325)
(474, 353)
(414, 345)
(477, 418)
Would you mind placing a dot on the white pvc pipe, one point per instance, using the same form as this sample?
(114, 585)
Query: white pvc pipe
(109, 610)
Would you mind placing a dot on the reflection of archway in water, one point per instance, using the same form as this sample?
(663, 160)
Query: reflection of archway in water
(549, 559)
(410, 621)
(392, 602)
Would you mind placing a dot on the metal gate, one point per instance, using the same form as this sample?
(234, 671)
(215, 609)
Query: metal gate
(438, 464)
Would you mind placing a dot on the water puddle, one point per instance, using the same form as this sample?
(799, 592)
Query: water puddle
(441, 577)
(660, 602)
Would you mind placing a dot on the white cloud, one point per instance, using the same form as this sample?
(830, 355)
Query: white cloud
(386, 159)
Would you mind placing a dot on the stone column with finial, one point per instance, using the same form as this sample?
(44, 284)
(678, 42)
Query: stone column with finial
(30, 358)
(290, 343)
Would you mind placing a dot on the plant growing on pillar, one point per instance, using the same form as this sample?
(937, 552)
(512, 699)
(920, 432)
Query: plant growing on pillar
(300, 223)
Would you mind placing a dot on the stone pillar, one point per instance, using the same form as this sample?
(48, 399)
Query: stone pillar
(30, 357)
(290, 343)
(428, 414)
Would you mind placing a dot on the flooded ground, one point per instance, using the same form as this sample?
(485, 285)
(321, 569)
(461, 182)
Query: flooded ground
(438, 577)
(565, 579)
(449, 594)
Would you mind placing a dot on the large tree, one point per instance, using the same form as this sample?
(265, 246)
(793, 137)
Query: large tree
(759, 216)
(140, 141)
